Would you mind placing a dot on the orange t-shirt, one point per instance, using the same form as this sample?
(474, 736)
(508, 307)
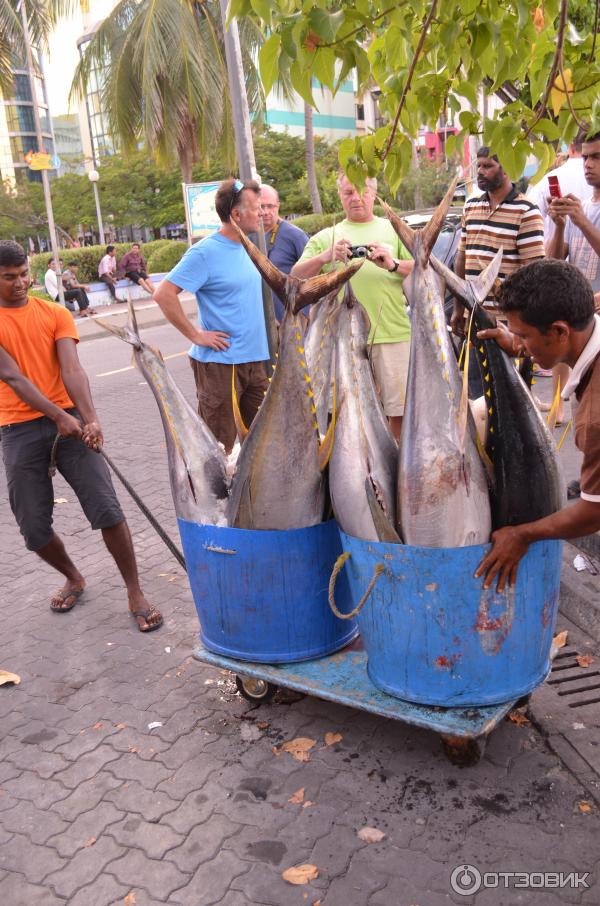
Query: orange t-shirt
(29, 335)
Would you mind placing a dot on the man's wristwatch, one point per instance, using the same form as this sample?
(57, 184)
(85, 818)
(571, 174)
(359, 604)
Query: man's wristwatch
(392, 270)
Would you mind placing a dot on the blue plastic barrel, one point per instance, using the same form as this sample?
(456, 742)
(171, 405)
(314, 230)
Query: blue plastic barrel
(435, 637)
(262, 596)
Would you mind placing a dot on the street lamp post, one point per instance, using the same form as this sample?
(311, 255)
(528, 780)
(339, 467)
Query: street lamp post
(40, 145)
(93, 177)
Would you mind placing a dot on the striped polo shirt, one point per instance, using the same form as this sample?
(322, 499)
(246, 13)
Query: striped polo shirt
(516, 226)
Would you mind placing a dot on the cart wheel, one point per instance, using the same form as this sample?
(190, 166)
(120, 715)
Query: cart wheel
(254, 690)
(462, 751)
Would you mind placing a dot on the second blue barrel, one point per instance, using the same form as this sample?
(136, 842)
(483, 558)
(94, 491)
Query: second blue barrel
(262, 596)
(434, 636)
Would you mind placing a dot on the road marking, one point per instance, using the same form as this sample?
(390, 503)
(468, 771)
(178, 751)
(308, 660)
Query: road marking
(174, 355)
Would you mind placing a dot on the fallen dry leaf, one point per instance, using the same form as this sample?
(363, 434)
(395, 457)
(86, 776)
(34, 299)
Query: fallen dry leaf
(299, 748)
(6, 677)
(60, 500)
(584, 807)
(89, 842)
(560, 640)
(371, 835)
(300, 874)
(98, 726)
(519, 719)
(332, 738)
(307, 803)
(132, 749)
(297, 797)
(316, 903)
(276, 751)
(263, 724)
(584, 660)
(121, 726)
(129, 899)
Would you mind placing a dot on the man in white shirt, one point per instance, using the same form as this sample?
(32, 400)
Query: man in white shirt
(107, 271)
(72, 296)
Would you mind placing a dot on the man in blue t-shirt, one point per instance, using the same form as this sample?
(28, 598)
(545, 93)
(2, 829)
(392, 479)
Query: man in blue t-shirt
(231, 324)
(285, 242)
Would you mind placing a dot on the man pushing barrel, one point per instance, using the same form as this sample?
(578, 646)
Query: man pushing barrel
(549, 308)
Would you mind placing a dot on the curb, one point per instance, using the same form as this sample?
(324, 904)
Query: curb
(148, 315)
(580, 591)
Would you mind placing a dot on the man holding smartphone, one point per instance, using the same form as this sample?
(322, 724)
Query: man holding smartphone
(577, 223)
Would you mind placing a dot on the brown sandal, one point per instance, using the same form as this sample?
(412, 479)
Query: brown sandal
(58, 601)
(147, 616)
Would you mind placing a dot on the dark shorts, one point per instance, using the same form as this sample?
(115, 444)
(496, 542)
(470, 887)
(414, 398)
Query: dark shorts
(136, 276)
(213, 386)
(26, 449)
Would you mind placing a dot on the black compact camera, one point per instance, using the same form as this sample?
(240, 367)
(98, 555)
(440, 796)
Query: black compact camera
(359, 251)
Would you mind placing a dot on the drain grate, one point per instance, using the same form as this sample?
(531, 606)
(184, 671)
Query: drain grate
(581, 685)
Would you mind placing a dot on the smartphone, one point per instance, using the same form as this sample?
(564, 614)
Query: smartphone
(554, 187)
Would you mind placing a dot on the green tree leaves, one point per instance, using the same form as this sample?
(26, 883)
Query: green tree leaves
(471, 53)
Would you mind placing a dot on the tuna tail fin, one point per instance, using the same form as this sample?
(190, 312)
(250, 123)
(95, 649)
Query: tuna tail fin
(473, 290)
(270, 274)
(129, 333)
(307, 291)
(420, 242)
(315, 288)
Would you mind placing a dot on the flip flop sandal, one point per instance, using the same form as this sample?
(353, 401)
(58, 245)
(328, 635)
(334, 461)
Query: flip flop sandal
(573, 490)
(147, 615)
(57, 604)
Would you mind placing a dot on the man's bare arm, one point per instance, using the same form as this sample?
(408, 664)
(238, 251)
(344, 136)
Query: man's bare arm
(78, 387)
(10, 373)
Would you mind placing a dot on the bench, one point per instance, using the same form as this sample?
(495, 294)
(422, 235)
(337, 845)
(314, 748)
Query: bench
(127, 291)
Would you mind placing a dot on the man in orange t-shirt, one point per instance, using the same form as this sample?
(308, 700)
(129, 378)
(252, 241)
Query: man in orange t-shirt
(45, 391)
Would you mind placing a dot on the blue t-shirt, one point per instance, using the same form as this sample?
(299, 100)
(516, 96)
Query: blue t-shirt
(229, 293)
(284, 250)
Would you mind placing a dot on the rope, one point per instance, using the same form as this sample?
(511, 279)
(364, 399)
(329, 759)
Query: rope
(338, 566)
(151, 519)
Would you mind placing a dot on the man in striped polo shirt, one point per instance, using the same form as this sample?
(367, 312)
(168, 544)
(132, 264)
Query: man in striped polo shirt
(500, 218)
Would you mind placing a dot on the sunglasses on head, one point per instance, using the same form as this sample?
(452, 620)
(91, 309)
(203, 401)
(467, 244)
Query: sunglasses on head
(236, 190)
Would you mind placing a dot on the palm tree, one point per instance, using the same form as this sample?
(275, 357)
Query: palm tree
(41, 16)
(165, 79)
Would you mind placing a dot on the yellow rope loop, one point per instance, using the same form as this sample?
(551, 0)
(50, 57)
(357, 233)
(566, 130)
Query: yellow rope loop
(338, 566)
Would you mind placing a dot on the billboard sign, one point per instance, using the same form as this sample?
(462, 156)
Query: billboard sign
(200, 213)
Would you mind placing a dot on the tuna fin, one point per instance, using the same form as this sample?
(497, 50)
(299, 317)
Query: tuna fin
(384, 528)
(241, 428)
(551, 419)
(244, 518)
(315, 288)
(427, 236)
(307, 291)
(275, 278)
(124, 333)
(475, 289)
(463, 406)
(326, 445)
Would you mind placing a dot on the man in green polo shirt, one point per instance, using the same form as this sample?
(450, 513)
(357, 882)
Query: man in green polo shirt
(377, 285)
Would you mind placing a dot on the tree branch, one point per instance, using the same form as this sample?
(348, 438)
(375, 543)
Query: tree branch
(569, 101)
(355, 31)
(596, 17)
(556, 63)
(411, 71)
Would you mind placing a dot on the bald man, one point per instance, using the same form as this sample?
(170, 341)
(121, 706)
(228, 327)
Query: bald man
(285, 242)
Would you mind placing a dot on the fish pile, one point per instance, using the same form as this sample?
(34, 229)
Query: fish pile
(321, 441)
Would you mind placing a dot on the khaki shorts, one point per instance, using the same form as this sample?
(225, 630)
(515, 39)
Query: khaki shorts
(390, 365)
(213, 388)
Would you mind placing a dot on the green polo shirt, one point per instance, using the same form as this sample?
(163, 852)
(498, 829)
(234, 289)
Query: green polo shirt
(375, 288)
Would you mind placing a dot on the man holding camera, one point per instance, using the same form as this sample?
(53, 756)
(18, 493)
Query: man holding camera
(377, 285)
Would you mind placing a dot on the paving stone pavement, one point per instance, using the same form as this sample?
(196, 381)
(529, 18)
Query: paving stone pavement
(96, 808)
